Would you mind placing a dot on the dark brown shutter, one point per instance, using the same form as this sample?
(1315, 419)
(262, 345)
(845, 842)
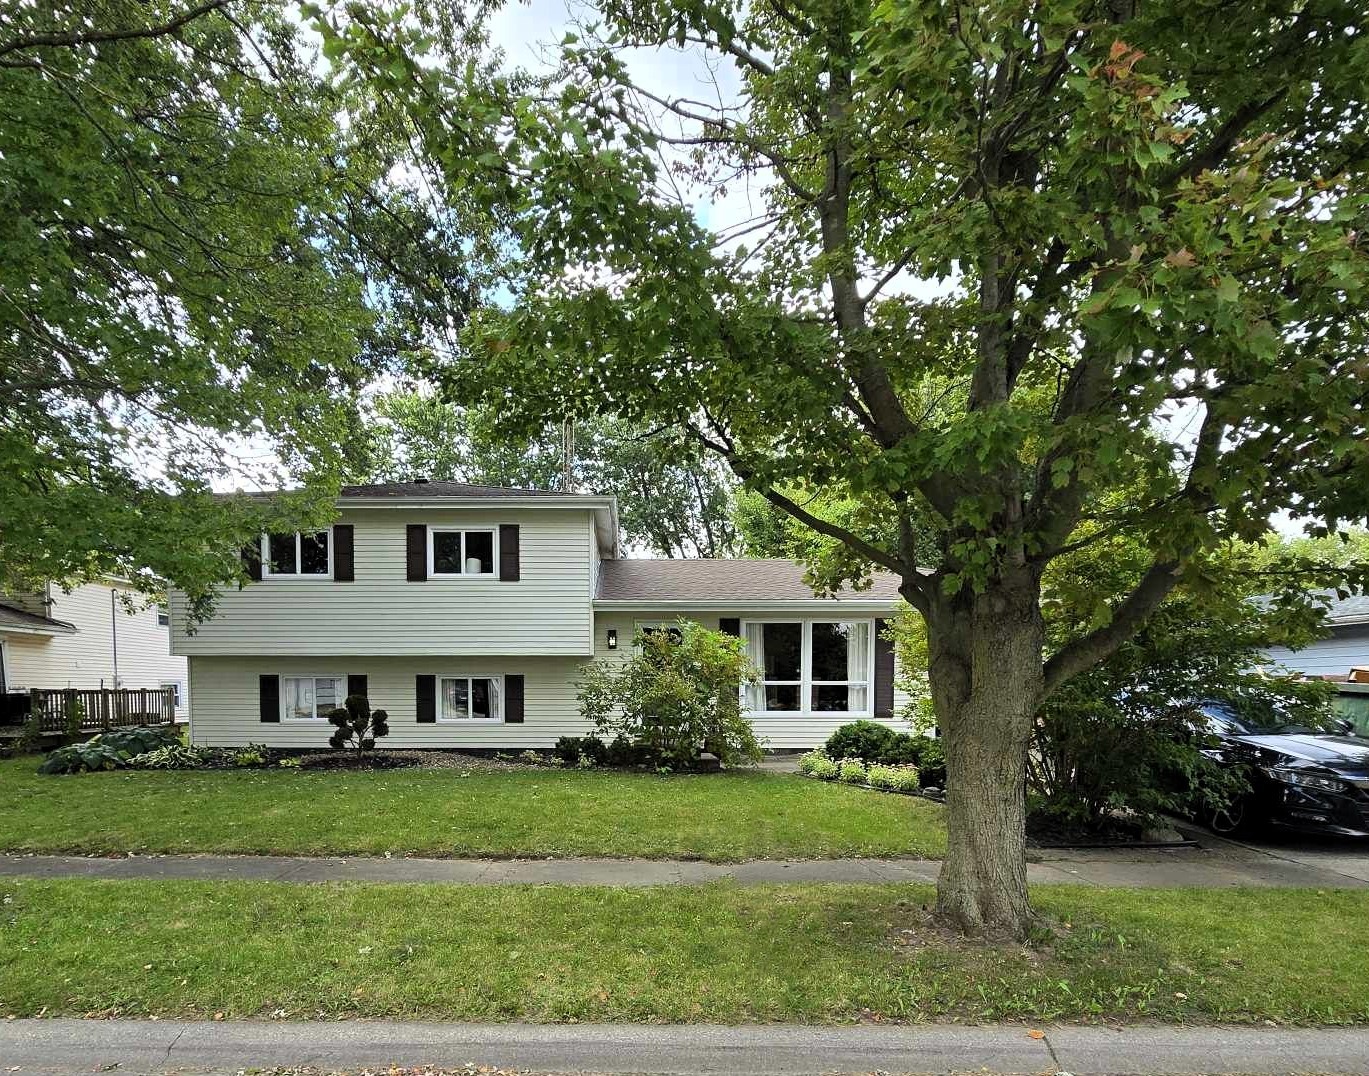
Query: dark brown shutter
(344, 563)
(416, 544)
(425, 694)
(513, 699)
(251, 559)
(270, 698)
(730, 625)
(884, 672)
(508, 553)
(356, 685)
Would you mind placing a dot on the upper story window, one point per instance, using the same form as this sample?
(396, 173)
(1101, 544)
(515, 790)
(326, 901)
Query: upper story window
(454, 552)
(296, 555)
(163, 616)
(811, 666)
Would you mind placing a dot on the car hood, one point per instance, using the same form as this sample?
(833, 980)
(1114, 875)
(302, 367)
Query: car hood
(1342, 753)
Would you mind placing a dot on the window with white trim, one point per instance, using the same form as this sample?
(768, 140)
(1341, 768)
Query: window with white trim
(460, 552)
(470, 698)
(309, 698)
(296, 556)
(810, 666)
(175, 686)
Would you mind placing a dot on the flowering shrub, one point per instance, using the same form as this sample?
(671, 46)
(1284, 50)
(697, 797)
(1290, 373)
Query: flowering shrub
(852, 771)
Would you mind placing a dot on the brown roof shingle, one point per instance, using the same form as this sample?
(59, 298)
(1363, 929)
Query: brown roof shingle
(739, 580)
(11, 617)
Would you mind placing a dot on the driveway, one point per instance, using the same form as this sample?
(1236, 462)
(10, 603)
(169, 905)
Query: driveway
(1344, 857)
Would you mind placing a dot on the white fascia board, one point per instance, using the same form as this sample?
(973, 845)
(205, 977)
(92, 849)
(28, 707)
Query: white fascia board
(800, 608)
(572, 501)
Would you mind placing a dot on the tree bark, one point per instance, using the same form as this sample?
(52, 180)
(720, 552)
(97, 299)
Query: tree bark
(986, 681)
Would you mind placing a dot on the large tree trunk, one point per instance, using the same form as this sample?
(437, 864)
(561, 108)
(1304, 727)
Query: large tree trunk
(986, 683)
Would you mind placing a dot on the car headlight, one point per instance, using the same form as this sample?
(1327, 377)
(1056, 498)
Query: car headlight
(1302, 779)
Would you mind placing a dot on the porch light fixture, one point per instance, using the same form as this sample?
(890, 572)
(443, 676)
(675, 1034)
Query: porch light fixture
(613, 638)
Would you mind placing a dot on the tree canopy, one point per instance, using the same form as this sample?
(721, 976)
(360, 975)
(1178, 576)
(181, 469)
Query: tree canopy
(673, 499)
(1138, 229)
(191, 249)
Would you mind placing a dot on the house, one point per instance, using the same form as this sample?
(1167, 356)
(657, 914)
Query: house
(1335, 656)
(466, 612)
(97, 635)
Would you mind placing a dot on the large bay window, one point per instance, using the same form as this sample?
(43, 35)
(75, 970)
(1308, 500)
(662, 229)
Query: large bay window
(295, 555)
(309, 698)
(810, 666)
(470, 698)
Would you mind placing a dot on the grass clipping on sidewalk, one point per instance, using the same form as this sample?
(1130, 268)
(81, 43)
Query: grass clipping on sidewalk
(720, 953)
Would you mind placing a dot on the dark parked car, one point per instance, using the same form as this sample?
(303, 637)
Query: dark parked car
(1300, 777)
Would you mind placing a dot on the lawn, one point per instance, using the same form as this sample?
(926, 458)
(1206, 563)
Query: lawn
(718, 953)
(721, 817)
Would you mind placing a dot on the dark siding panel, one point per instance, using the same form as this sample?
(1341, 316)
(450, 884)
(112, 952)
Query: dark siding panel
(884, 672)
(269, 691)
(356, 685)
(508, 553)
(730, 625)
(344, 562)
(416, 539)
(513, 699)
(425, 692)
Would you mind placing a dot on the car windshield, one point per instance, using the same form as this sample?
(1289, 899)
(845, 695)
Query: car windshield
(1267, 721)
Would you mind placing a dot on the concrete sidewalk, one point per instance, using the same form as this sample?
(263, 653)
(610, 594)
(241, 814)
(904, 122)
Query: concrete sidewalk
(1143, 868)
(72, 1046)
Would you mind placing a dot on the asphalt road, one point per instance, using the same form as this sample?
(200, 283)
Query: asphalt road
(129, 1046)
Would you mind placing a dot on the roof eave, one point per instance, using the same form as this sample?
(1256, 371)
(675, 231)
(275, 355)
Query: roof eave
(772, 605)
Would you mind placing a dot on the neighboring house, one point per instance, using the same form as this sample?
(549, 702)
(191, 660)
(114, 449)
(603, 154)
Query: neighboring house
(466, 612)
(87, 638)
(1333, 658)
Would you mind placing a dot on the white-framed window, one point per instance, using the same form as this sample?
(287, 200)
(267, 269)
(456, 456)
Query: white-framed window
(470, 698)
(163, 616)
(175, 686)
(310, 698)
(456, 552)
(811, 666)
(297, 556)
(651, 627)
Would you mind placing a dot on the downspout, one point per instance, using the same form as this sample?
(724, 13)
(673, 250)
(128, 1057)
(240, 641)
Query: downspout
(114, 633)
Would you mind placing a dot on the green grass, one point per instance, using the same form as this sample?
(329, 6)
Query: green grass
(717, 953)
(439, 812)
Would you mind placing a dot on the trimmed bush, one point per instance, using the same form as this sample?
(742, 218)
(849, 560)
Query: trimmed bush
(872, 742)
(931, 762)
(356, 728)
(852, 771)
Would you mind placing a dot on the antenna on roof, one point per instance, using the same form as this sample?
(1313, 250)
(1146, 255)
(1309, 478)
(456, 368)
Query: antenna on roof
(568, 455)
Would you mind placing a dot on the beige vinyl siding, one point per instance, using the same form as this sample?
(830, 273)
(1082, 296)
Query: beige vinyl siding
(547, 611)
(225, 700)
(776, 733)
(86, 659)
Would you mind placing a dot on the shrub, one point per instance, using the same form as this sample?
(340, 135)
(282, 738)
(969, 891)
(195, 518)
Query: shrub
(809, 762)
(254, 754)
(824, 769)
(571, 749)
(675, 696)
(530, 758)
(852, 771)
(906, 779)
(173, 756)
(881, 776)
(291, 763)
(356, 726)
(930, 758)
(107, 750)
(872, 742)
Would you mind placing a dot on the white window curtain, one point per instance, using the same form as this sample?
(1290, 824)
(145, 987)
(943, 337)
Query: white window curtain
(755, 649)
(858, 644)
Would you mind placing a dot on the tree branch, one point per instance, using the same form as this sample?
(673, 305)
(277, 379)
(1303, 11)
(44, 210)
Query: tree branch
(73, 38)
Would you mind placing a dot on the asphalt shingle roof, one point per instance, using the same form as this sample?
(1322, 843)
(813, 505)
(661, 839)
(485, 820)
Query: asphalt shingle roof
(743, 580)
(10, 617)
(443, 489)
